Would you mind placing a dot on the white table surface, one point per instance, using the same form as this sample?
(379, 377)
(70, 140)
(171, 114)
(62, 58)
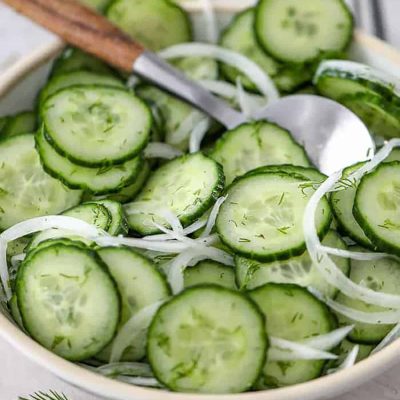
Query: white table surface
(19, 376)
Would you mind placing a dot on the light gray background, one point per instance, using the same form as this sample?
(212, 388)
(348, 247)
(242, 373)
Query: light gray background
(18, 376)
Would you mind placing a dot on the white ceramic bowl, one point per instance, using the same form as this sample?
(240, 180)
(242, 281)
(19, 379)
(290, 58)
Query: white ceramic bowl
(18, 88)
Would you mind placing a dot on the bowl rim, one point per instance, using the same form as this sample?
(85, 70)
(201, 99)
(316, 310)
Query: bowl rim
(89, 381)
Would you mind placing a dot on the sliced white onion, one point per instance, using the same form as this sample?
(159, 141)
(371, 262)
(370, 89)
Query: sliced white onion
(36, 225)
(210, 21)
(161, 150)
(136, 325)
(197, 135)
(200, 223)
(348, 362)
(213, 217)
(248, 67)
(325, 265)
(354, 255)
(392, 336)
(286, 350)
(330, 340)
(244, 105)
(126, 368)
(139, 381)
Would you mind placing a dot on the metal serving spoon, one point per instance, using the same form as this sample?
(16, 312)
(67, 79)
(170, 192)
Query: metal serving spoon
(333, 136)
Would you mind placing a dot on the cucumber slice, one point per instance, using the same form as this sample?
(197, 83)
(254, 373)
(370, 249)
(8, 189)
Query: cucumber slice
(298, 270)
(99, 180)
(292, 313)
(382, 276)
(127, 193)
(24, 122)
(3, 123)
(298, 32)
(74, 78)
(197, 68)
(96, 126)
(376, 206)
(339, 78)
(26, 190)
(92, 213)
(208, 339)
(155, 24)
(239, 36)
(17, 246)
(72, 59)
(188, 186)
(210, 272)
(13, 304)
(311, 174)
(381, 117)
(293, 76)
(342, 203)
(118, 225)
(262, 218)
(256, 144)
(98, 5)
(68, 302)
(394, 155)
(140, 284)
(346, 346)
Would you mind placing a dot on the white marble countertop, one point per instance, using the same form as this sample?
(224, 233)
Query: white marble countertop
(19, 376)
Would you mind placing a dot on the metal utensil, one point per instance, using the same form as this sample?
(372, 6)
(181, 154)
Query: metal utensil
(333, 136)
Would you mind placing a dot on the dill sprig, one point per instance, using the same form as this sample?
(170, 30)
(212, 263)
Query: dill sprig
(52, 395)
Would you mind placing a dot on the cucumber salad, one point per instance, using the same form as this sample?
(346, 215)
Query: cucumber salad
(144, 242)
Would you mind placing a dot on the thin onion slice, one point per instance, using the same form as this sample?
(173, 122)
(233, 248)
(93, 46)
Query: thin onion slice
(197, 135)
(248, 67)
(126, 368)
(392, 336)
(184, 129)
(325, 265)
(330, 340)
(286, 350)
(354, 255)
(210, 21)
(136, 325)
(213, 217)
(348, 362)
(244, 105)
(161, 150)
(139, 381)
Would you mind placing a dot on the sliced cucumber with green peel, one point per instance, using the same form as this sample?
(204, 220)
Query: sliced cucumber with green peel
(394, 155)
(140, 284)
(3, 123)
(188, 186)
(377, 204)
(310, 174)
(13, 304)
(210, 272)
(100, 180)
(381, 117)
(298, 270)
(296, 32)
(26, 191)
(339, 78)
(118, 225)
(292, 313)
(96, 126)
(128, 193)
(208, 339)
(342, 202)
(239, 36)
(262, 218)
(72, 59)
(256, 144)
(68, 302)
(155, 24)
(380, 275)
(197, 68)
(74, 78)
(24, 122)
(291, 77)
(92, 213)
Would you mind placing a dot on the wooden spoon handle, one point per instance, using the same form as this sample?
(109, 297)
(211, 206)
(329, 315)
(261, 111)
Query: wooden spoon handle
(82, 28)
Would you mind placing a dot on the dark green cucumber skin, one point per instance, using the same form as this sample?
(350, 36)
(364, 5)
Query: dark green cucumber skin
(11, 128)
(381, 244)
(278, 256)
(323, 55)
(188, 219)
(373, 86)
(187, 292)
(82, 186)
(105, 163)
(293, 170)
(98, 260)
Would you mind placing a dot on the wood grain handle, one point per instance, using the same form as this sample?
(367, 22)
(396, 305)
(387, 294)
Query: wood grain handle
(83, 28)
